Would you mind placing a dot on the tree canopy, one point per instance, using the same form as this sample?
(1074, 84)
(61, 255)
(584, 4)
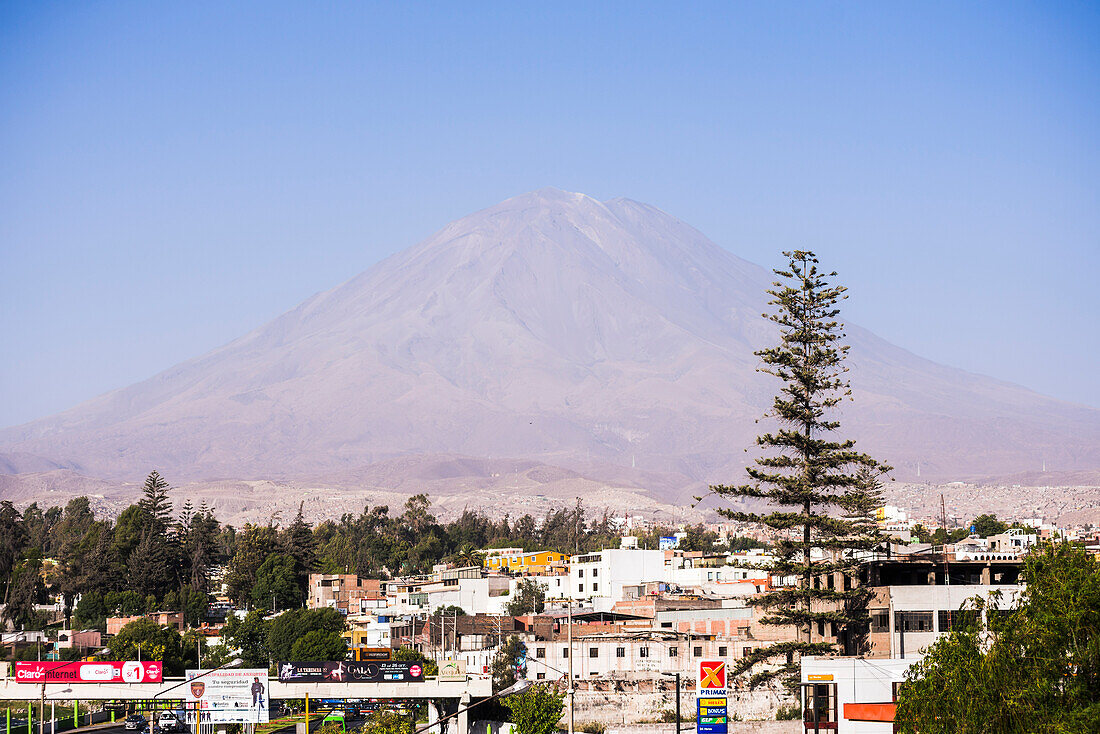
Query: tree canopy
(1035, 669)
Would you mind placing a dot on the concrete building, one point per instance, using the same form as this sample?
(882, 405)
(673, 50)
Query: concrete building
(598, 578)
(342, 592)
(850, 695)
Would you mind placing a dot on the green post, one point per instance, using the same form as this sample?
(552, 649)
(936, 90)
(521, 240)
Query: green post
(30, 715)
(76, 714)
(112, 714)
(7, 726)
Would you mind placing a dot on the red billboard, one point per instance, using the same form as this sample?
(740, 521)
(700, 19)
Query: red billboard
(113, 671)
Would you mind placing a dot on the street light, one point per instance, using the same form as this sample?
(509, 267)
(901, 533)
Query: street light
(520, 686)
(234, 663)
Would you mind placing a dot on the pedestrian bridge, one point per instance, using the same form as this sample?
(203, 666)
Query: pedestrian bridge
(172, 689)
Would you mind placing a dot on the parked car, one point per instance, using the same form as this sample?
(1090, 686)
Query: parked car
(336, 717)
(135, 722)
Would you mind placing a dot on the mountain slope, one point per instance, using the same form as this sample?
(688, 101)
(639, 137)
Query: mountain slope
(551, 326)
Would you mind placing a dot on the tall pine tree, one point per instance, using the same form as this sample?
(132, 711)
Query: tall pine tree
(812, 480)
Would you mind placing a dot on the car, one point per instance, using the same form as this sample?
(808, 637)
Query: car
(169, 722)
(134, 722)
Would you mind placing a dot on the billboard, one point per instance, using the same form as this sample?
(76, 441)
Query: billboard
(229, 696)
(380, 671)
(666, 542)
(112, 671)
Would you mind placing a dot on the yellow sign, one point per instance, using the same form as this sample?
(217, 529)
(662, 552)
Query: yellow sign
(712, 702)
(820, 676)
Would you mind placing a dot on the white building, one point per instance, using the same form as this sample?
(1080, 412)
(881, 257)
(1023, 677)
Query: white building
(598, 578)
(851, 695)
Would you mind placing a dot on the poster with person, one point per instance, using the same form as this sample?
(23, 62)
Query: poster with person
(228, 696)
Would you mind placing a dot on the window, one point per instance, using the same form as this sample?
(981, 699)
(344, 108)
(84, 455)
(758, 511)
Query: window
(565, 652)
(913, 621)
(746, 652)
(595, 587)
(666, 625)
(880, 621)
(620, 652)
(643, 652)
(722, 652)
(540, 676)
(595, 572)
(580, 573)
(673, 652)
(949, 619)
(540, 652)
(580, 588)
(830, 581)
(697, 652)
(593, 652)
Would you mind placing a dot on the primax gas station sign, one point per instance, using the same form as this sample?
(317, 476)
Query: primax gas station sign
(711, 715)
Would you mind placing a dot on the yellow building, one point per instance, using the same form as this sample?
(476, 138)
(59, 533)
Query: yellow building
(516, 561)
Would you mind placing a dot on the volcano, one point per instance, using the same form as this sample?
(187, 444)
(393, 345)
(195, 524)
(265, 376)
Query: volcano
(551, 327)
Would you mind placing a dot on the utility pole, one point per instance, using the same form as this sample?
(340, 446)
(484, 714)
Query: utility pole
(569, 636)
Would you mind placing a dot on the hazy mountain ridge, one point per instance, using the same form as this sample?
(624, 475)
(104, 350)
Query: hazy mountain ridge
(550, 326)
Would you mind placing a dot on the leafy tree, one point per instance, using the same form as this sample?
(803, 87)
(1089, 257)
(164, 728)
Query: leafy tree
(1036, 669)
(537, 710)
(155, 643)
(192, 604)
(148, 565)
(91, 611)
(276, 581)
(26, 589)
(986, 525)
(13, 538)
(287, 628)
(319, 645)
(511, 654)
(253, 545)
(249, 635)
(449, 611)
(529, 596)
(388, 722)
(807, 476)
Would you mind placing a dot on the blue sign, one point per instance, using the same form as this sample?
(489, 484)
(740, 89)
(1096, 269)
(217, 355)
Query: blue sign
(710, 715)
(666, 543)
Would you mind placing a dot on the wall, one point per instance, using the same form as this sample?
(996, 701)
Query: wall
(610, 708)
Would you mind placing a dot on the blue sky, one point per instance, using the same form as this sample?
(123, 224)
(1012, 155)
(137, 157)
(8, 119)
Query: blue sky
(173, 175)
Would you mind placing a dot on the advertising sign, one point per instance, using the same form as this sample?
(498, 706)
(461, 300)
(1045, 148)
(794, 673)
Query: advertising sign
(712, 678)
(115, 671)
(381, 671)
(373, 653)
(711, 716)
(666, 542)
(229, 696)
(452, 670)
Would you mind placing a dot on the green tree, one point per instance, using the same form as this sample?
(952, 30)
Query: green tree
(25, 589)
(807, 475)
(529, 596)
(467, 555)
(249, 635)
(986, 525)
(537, 710)
(252, 547)
(276, 582)
(387, 722)
(298, 543)
(511, 654)
(1036, 669)
(319, 645)
(13, 538)
(287, 628)
(155, 643)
